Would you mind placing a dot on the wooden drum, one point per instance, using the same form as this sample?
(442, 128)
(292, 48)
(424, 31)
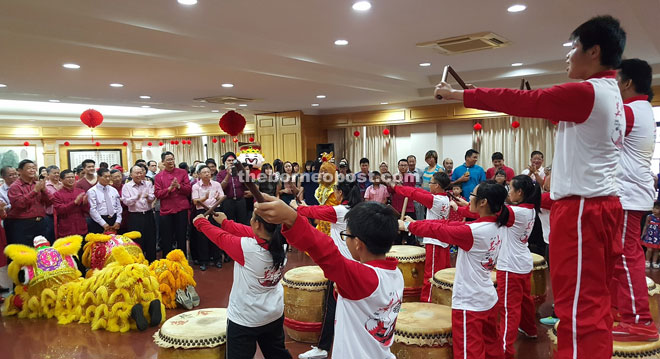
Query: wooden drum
(539, 279)
(423, 330)
(411, 264)
(197, 334)
(622, 350)
(654, 294)
(442, 285)
(304, 300)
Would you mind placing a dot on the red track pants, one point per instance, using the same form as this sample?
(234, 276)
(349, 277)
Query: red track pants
(437, 258)
(516, 309)
(474, 334)
(585, 242)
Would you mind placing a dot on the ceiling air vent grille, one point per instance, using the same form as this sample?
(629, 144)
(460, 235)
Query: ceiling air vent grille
(224, 100)
(466, 43)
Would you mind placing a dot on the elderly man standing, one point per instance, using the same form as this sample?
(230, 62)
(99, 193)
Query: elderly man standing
(139, 196)
(172, 187)
(9, 175)
(28, 198)
(53, 185)
(104, 205)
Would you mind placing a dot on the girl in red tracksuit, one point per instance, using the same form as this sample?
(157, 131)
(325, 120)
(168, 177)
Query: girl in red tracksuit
(515, 264)
(474, 297)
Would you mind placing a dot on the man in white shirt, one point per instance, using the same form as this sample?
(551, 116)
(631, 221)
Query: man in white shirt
(153, 169)
(9, 175)
(104, 205)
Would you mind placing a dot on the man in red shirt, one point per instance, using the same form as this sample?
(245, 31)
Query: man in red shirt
(88, 179)
(172, 187)
(70, 207)
(28, 198)
(498, 164)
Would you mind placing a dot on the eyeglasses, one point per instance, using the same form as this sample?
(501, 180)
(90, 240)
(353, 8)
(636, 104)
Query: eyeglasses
(472, 195)
(343, 235)
(433, 183)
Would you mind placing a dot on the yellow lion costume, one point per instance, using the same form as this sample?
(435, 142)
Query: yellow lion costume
(123, 295)
(325, 193)
(38, 273)
(98, 249)
(173, 273)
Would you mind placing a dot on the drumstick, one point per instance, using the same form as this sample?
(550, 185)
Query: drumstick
(214, 206)
(403, 210)
(524, 84)
(250, 184)
(448, 70)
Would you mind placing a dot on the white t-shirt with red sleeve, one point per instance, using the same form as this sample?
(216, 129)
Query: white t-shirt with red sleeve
(257, 296)
(334, 215)
(514, 255)
(636, 178)
(369, 294)
(437, 205)
(590, 130)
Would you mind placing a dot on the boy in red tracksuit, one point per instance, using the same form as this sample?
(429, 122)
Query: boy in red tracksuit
(586, 220)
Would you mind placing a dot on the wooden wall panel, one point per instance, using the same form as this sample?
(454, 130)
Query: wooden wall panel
(266, 134)
(288, 136)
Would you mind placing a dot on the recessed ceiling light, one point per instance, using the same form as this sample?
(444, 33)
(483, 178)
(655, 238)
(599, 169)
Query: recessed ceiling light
(384, 103)
(516, 64)
(243, 105)
(568, 44)
(362, 6)
(215, 110)
(145, 106)
(145, 97)
(187, 2)
(315, 104)
(341, 42)
(53, 100)
(516, 8)
(320, 96)
(227, 85)
(3, 85)
(71, 66)
(116, 85)
(425, 64)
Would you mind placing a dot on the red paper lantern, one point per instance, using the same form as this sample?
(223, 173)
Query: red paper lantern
(477, 127)
(67, 144)
(235, 140)
(515, 124)
(97, 144)
(125, 143)
(149, 144)
(251, 139)
(176, 142)
(26, 143)
(386, 132)
(188, 142)
(215, 140)
(232, 122)
(91, 118)
(160, 143)
(356, 133)
(224, 140)
(172, 142)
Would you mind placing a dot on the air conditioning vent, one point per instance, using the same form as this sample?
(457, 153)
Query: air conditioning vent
(466, 43)
(224, 100)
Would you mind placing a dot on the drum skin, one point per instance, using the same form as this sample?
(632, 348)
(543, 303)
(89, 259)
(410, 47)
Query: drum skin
(423, 330)
(196, 334)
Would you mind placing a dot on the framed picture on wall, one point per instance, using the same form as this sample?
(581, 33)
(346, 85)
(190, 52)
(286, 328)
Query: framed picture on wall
(12, 155)
(75, 157)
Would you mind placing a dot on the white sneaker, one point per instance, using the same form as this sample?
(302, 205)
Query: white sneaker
(648, 264)
(314, 353)
(655, 265)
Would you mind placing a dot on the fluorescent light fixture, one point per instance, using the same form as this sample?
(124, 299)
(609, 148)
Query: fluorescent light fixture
(568, 44)
(315, 105)
(384, 103)
(71, 66)
(187, 2)
(362, 6)
(215, 111)
(341, 42)
(145, 97)
(243, 105)
(145, 106)
(425, 64)
(54, 101)
(516, 8)
(516, 64)
(227, 85)
(75, 109)
(116, 85)
(320, 96)
(3, 85)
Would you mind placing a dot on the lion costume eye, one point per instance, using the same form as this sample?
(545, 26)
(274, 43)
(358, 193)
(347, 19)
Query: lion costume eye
(24, 275)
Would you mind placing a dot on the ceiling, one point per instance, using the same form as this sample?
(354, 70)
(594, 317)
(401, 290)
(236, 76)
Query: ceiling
(280, 53)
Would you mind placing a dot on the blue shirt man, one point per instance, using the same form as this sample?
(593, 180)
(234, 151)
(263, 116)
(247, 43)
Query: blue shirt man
(469, 174)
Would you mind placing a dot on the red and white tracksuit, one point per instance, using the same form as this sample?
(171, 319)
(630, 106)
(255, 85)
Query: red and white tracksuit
(437, 252)
(514, 274)
(474, 315)
(586, 218)
(629, 290)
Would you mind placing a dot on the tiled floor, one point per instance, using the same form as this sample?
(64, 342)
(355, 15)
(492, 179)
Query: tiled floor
(23, 338)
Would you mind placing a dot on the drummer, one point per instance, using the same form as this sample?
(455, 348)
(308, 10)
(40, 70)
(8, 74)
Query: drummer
(256, 302)
(474, 315)
(437, 202)
(369, 288)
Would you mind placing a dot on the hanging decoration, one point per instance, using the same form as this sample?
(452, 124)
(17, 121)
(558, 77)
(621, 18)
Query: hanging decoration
(515, 124)
(160, 143)
(386, 132)
(251, 139)
(224, 140)
(149, 144)
(91, 118)
(232, 122)
(97, 144)
(477, 127)
(67, 144)
(235, 139)
(26, 143)
(171, 142)
(176, 142)
(125, 144)
(356, 133)
(215, 140)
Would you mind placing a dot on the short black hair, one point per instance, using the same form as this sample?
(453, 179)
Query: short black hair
(149, 163)
(140, 161)
(165, 154)
(413, 156)
(102, 171)
(500, 172)
(114, 171)
(209, 161)
(141, 165)
(4, 170)
(534, 153)
(65, 172)
(470, 152)
(79, 169)
(364, 160)
(497, 156)
(375, 224)
(442, 179)
(103, 165)
(23, 163)
(200, 168)
(183, 166)
(375, 174)
(51, 168)
(402, 160)
(85, 162)
(606, 32)
(640, 73)
(656, 204)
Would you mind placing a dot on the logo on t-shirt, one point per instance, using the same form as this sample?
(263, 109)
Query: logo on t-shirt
(271, 277)
(491, 254)
(617, 133)
(381, 323)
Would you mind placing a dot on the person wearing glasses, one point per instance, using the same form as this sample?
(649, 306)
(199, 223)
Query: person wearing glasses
(474, 314)
(348, 194)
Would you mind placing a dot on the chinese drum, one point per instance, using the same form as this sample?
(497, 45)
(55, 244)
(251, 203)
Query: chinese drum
(539, 279)
(411, 263)
(654, 294)
(196, 334)
(442, 285)
(304, 300)
(423, 330)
